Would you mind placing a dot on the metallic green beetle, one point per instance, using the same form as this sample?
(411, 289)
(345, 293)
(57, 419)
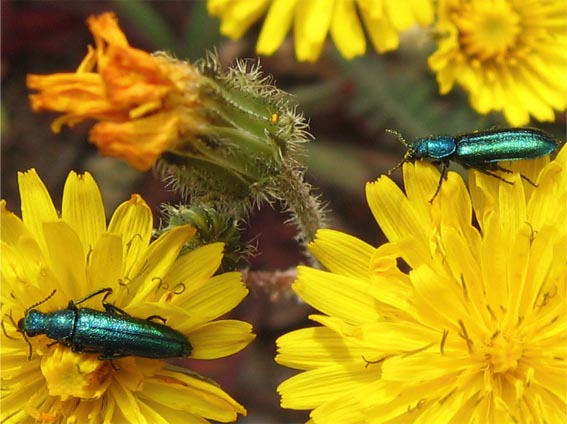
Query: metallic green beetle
(480, 150)
(112, 333)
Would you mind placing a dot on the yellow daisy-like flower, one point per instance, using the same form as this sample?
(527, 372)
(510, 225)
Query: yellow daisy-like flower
(144, 102)
(70, 255)
(312, 20)
(509, 55)
(475, 332)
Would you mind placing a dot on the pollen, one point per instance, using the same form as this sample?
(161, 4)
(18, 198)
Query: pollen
(489, 32)
(73, 375)
(503, 354)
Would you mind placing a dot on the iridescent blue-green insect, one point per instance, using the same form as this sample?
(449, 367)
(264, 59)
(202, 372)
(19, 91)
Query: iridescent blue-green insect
(112, 332)
(481, 150)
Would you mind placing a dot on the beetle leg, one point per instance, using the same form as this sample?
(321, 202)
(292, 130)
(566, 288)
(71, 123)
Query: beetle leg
(110, 358)
(487, 168)
(444, 173)
(105, 356)
(80, 349)
(76, 348)
(54, 343)
(500, 168)
(106, 290)
(151, 317)
(498, 177)
(526, 179)
(114, 310)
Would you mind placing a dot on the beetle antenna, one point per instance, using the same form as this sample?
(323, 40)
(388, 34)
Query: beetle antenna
(405, 143)
(399, 136)
(40, 302)
(391, 170)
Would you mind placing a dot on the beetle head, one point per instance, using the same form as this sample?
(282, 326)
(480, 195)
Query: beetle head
(22, 321)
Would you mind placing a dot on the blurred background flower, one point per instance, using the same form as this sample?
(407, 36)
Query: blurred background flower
(509, 55)
(312, 20)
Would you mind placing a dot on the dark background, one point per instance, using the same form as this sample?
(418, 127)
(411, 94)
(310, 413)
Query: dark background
(349, 104)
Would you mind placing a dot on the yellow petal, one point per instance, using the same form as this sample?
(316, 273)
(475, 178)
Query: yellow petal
(37, 206)
(546, 205)
(347, 31)
(337, 295)
(187, 393)
(133, 221)
(342, 409)
(67, 258)
(315, 347)
(105, 268)
(276, 26)
(126, 405)
(237, 16)
(341, 253)
(312, 388)
(220, 338)
(512, 206)
(193, 269)
(26, 277)
(433, 291)
(152, 267)
(82, 208)
(421, 180)
(221, 294)
(392, 209)
(311, 26)
(13, 229)
(383, 35)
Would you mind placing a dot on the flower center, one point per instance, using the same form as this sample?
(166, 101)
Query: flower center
(503, 354)
(488, 29)
(77, 375)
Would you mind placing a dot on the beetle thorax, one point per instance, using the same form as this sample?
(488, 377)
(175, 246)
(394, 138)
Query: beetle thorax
(56, 325)
(441, 147)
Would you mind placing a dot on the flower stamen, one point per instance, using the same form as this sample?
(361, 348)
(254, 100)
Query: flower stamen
(465, 336)
(503, 354)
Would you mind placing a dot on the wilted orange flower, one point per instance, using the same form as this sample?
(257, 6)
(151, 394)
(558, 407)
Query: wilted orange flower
(143, 101)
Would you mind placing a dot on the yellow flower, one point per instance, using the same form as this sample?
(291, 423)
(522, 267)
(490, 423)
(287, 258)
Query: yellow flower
(509, 55)
(74, 254)
(144, 102)
(312, 20)
(475, 332)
